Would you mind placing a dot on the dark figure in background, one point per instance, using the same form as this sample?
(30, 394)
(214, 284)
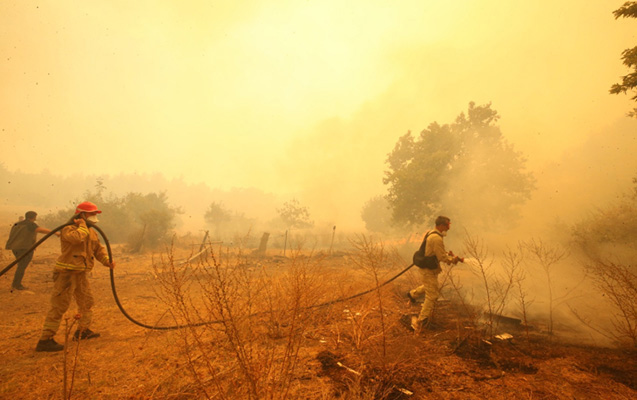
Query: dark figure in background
(22, 237)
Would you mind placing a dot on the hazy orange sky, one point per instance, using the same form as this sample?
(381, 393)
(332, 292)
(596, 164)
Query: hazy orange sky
(299, 97)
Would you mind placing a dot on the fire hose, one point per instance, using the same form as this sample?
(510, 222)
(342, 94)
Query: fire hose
(172, 327)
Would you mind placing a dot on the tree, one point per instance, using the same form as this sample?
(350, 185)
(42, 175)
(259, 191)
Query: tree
(218, 216)
(466, 170)
(227, 222)
(294, 215)
(629, 57)
(613, 224)
(606, 238)
(141, 220)
(153, 218)
(376, 214)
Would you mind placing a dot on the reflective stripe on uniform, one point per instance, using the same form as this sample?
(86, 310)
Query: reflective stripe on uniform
(71, 266)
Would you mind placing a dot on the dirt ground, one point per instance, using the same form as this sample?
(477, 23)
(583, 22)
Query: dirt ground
(452, 360)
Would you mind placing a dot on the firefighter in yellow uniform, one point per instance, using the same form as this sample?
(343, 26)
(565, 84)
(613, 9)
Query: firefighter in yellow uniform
(80, 247)
(430, 289)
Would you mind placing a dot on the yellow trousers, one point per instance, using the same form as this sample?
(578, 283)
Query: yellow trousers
(429, 289)
(68, 285)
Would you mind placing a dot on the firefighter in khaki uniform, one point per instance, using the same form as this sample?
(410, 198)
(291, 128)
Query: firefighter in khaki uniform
(434, 247)
(80, 247)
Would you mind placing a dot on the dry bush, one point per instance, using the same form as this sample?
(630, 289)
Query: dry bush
(497, 286)
(459, 296)
(262, 318)
(68, 386)
(618, 285)
(358, 324)
(250, 347)
(371, 256)
(547, 256)
(201, 362)
(513, 260)
(363, 322)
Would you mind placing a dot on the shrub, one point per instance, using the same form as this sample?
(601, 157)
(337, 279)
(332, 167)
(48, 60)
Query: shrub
(141, 221)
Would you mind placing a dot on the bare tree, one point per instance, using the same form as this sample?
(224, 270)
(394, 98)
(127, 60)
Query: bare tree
(618, 284)
(547, 256)
(371, 256)
(476, 250)
(513, 260)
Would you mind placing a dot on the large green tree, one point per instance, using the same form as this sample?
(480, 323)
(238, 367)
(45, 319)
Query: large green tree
(465, 169)
(629, 58)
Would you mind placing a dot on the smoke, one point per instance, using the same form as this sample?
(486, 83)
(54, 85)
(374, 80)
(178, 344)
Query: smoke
(586, 177)
(574, 307)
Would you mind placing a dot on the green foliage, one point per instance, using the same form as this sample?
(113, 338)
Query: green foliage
(629, 58)
(466, 170)
(54, 219)
(151, 217)
(628, 9)
(141, 221)
(293, 215)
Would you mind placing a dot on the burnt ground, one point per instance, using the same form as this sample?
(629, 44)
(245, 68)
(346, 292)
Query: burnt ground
(459, 363)
(343, 354)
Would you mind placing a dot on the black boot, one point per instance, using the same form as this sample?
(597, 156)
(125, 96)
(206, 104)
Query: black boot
(49, 345)
(85, 334)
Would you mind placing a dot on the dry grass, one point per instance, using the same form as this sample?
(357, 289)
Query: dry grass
(351, 350)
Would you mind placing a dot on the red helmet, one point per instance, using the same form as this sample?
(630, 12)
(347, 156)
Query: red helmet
(87, 206)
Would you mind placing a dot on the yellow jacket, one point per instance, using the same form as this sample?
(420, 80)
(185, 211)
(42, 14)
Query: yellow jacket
(436, 246)
(80, 247)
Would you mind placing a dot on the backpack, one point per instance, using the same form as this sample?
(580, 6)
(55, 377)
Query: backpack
(18, 237)
(422, 261)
